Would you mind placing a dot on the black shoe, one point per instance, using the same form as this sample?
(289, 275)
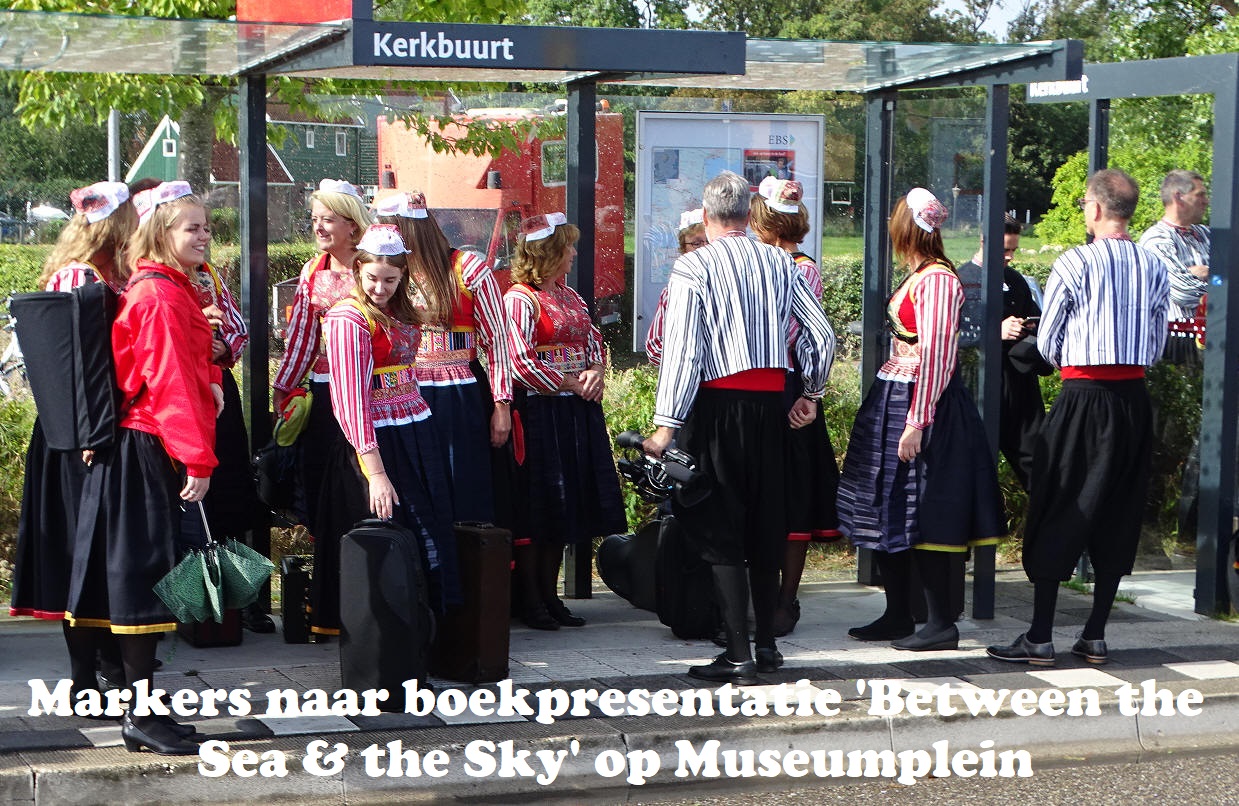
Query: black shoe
(922, 642)
(157, 736)
(180, 729)
(254, 620)
(538, 618)
(722, 670)
(1024, 651)
(1092, 651)
(786, 618)
(883, 629)
(560, 612)
(769, 659)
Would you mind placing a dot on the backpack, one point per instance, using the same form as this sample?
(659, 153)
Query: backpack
(66, 338)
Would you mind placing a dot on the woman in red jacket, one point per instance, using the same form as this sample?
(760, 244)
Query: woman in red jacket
(130, 520)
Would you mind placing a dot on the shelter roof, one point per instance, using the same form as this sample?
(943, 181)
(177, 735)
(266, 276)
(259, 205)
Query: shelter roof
(403, 51)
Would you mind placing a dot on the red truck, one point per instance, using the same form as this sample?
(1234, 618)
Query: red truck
(480, 201)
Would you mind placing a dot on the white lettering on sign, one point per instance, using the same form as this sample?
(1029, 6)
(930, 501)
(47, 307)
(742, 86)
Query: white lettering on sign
(1043, 89)
(426, 46)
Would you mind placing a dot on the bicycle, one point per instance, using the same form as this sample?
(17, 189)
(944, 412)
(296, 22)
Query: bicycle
(13, 382)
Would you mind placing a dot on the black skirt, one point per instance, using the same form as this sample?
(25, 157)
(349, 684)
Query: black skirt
(812, 473)
(567, 487)
(127, 537)
(317, 444)
(737, 439)
(232, 500)
(51, 493)
(1090, 479)
(947, 499)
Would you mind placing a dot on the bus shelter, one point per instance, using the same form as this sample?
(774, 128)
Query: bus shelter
(1218, 76)
(580, 59)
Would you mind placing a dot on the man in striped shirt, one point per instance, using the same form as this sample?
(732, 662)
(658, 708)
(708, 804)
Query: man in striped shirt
(725, 358)
(1104, 321)
(1183, 243)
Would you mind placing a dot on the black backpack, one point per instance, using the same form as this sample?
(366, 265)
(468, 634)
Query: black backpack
(66, 339)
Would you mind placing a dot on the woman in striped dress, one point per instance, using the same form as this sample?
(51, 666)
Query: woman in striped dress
(339, 219)
(372, 338)
(567, 489)
(918, 472)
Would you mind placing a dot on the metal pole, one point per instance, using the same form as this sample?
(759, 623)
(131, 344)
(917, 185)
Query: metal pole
(252, 203)
(580, 203)
(1219, 404)
(879, 151)
(114, 164)
(994, 202)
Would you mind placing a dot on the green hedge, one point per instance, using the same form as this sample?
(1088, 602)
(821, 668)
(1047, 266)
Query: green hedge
(20, 266)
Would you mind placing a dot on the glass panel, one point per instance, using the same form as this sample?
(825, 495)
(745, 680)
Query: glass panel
(88, 43)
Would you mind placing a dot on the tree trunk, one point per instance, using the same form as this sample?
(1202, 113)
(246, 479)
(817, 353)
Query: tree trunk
(197, 138)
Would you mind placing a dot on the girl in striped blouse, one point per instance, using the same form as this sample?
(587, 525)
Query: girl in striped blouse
(372, 340)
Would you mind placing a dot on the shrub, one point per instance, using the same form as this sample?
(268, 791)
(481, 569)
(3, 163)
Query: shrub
(225, 225)
(20, 266)
(284, 260)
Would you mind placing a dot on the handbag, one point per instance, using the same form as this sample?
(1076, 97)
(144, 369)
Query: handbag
(211, 579)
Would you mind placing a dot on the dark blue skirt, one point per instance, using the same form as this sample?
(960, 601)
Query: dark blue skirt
(414, 462)
(567, 487)
(51, 493)
(947, 499)
(462, 423)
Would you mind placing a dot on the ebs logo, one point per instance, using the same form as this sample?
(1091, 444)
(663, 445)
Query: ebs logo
(781, 140)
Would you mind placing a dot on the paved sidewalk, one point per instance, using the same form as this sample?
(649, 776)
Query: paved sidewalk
(51, 759)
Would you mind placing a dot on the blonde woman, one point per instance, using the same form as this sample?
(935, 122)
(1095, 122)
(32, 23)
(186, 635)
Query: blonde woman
(567, 490)
(339, 218)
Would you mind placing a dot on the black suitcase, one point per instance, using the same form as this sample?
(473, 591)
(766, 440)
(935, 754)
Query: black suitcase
(210, 634)
(685, 585)
(386, 625)
(295, 597)
(627, 565)
(472, 640)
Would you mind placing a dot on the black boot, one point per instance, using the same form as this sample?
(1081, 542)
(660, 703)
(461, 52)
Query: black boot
(896, 622)
(736, 665)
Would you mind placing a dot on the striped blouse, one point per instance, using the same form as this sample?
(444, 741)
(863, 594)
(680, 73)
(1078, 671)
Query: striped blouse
(443, 358)
(73, 275)
(1105, 304)
(1180, 247)
(654, 338)
(212, 291)
(730, 306)
(554, 339)
(317, 290)
(372, 380)
(935, 296)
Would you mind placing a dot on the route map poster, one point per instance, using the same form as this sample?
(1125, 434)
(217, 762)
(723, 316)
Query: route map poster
(678, 152)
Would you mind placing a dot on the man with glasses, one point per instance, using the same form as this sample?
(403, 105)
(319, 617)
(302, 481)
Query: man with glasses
(1183, 243)
(1103, 322)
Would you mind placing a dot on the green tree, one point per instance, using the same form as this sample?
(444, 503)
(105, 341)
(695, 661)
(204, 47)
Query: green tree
(877, 20)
